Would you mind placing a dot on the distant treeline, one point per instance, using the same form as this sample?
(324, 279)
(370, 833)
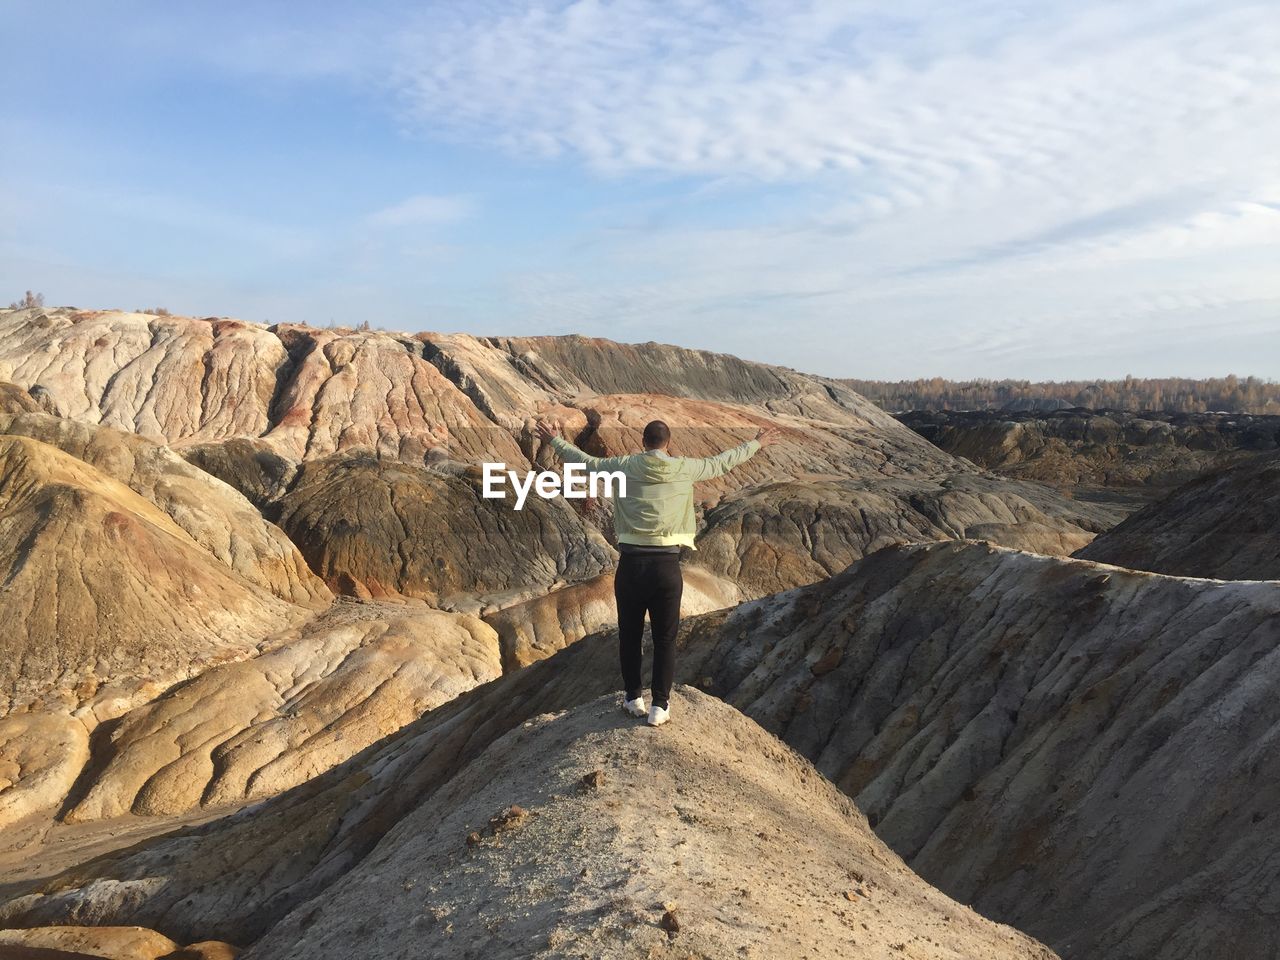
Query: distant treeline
(1231, 394)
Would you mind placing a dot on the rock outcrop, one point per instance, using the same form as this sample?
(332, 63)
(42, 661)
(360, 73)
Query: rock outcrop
(1224, 524)
(1082, 751)
(379, 528)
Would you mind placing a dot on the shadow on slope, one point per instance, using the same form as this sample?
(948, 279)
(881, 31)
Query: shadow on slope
(1221, 525)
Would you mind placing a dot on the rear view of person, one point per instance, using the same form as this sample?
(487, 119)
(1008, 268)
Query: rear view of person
(652, 522)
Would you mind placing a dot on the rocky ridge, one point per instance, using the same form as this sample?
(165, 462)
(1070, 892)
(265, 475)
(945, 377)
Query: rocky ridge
(1222, 525)
(1061, 743)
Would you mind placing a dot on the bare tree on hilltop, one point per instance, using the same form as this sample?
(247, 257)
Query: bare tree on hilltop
(30, 300)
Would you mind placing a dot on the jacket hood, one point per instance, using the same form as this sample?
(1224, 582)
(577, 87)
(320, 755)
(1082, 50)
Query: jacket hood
(652, 468)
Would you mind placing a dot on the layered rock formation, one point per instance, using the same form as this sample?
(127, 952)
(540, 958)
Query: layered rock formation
(1223, 525)
(1076, 749)
(268, 398)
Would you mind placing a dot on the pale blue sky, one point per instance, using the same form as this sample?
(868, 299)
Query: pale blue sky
(881, 190)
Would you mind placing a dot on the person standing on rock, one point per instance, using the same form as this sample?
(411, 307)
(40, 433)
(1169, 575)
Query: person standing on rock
(652, 522)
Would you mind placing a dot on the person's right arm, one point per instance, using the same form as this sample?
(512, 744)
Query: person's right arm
(571, 454)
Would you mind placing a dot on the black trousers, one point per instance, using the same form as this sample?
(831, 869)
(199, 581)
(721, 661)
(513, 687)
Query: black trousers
(648, 583)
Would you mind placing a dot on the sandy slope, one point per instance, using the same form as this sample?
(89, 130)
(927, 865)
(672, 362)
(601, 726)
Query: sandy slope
(582, 834)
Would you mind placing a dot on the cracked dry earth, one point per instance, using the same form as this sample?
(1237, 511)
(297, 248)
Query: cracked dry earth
(588, 834)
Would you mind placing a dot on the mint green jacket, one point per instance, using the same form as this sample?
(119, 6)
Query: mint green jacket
(658, 507)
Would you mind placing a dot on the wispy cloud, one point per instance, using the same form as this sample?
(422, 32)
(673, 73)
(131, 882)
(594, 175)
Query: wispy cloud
(423, 210)
(970, 164)
(914, 100)
(1066, 187)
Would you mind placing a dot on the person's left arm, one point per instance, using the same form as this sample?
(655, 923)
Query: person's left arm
(717, 466)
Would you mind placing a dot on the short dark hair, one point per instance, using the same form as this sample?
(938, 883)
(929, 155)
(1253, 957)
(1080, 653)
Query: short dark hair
(656, 434)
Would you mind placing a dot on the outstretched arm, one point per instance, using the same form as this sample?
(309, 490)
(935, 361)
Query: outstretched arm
(722, 463)
(569, 453)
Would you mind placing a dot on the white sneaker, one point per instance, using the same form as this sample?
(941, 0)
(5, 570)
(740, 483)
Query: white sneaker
(634, 707)
(658, 715)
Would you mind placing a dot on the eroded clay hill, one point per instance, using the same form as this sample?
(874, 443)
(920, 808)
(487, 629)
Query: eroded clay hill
(215, 517)
(1081, 751)
(166, 648)
(103, 587)
(377, 528)
(307, 700)
(585, 834)
(1225, 525)
(252, 403)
